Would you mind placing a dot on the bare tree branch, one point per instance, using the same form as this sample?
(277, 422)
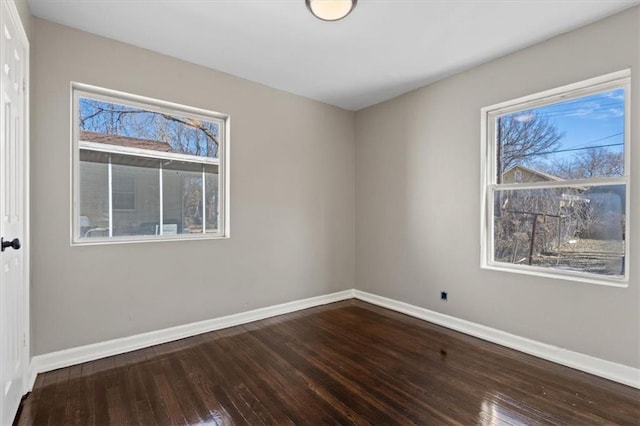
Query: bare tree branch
(524, 136)
(117, 119)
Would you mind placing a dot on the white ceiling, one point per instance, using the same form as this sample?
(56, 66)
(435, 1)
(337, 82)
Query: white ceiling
(383, 49)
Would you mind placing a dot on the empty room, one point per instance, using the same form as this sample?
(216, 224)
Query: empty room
(314, 212)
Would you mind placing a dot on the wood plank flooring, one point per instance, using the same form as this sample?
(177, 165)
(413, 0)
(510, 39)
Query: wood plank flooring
(344, 363)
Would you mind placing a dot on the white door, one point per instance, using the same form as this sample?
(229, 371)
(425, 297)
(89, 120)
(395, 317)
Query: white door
(13, 167)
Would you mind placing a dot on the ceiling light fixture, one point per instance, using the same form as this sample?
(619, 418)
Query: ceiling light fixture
(331, 10)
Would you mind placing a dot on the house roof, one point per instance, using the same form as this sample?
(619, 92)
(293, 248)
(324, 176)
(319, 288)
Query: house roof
(543, 175)
(125, 141)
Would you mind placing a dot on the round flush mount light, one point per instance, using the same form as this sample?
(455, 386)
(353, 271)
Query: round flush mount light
(331, 10)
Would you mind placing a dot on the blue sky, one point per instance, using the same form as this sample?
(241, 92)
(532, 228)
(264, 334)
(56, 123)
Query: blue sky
(590, 121)
(593, 121)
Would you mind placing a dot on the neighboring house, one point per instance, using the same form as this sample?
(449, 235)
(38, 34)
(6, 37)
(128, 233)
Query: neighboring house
(521, 174)
(594, 212)
(543, 200)
(133, 200)
(567, 195)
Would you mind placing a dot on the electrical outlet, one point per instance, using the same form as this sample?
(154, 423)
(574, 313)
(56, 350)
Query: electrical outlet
(443, 296)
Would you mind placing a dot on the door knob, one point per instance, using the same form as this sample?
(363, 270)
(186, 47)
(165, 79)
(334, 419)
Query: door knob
(14, 244)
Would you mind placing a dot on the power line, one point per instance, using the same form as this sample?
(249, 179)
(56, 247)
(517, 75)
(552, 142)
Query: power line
(601, 139)
(579, 147)
(570, 149)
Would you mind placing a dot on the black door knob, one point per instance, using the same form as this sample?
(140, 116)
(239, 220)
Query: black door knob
(14, 244)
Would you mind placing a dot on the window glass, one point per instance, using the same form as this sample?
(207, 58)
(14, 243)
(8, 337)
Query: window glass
(145, 170)
(212, 197)
(94, 194)
(572, 228)
(124, 188)
(136, 201)
(182, 197)
(575, 139)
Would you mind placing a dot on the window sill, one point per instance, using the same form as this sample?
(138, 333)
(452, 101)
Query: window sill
(144, 239)
(622, 282)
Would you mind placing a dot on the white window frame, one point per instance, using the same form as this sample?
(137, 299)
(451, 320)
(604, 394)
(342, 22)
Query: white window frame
(619, 79)
(79, 90)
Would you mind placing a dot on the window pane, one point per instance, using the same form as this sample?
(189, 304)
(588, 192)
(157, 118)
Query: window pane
(124, 189)
(136, 195)
(182, 197)
(211, 184)
(124, 200)
(576, 139)
(94, 195)
(127, 125)
(570, 228)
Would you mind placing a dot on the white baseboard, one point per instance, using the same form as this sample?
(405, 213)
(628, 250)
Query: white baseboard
(609, 370)
(73, 356)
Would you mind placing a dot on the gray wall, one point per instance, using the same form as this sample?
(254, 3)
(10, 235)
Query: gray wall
(418, 201)
(292, 201)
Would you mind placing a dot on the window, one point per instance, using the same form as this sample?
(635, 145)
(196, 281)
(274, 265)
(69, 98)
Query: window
(145, 169)
(556, 182)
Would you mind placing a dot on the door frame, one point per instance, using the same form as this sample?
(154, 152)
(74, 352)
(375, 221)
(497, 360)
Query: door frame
(26, 353)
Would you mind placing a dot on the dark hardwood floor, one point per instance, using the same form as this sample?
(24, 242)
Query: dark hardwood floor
(344, 363)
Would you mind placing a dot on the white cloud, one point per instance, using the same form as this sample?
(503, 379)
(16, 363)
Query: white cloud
(617, 95)
(524, 117)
